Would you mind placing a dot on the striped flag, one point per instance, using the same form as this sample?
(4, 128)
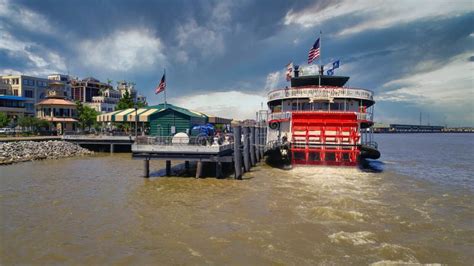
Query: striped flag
(162, 86)
(313, 52)
(289, 70)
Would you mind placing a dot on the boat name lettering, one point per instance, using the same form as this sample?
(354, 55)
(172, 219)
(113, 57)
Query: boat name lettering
(320, 93)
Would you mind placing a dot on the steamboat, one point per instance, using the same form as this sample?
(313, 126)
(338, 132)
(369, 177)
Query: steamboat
(318, 120)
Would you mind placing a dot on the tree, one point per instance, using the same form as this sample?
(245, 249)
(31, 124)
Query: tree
(4, 119)
(32, 123)
(125, 102)
(86, 115)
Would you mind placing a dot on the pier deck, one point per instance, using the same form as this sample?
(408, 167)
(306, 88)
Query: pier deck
(228, 149)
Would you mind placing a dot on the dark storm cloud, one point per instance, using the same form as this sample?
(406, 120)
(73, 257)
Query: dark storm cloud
(227, 45)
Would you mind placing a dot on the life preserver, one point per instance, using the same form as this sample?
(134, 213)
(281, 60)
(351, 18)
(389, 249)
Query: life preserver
(274, 125)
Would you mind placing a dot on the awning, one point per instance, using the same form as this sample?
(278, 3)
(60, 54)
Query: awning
(121, 116)
(106, 117)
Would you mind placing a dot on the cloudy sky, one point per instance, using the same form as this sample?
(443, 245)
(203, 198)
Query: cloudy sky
(222, 57)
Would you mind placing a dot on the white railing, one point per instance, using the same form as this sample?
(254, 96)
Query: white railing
(323, 92)
(366, 116)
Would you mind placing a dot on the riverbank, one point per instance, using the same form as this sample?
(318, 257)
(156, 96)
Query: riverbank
(21, 151)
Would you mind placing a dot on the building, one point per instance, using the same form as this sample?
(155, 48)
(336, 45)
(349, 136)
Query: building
(84, 90)
(57, 109)
(66, 79)
(107, 101)
(162, 119)
(32, 89)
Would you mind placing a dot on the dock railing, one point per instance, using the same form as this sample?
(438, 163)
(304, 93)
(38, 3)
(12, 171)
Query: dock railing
(185, 141)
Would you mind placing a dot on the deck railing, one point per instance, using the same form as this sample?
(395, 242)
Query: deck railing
(185, 141)
(361, 116)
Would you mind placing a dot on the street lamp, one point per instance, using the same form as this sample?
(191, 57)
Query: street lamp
(136, 120)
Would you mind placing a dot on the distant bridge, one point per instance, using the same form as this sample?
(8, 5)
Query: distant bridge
(405, 128)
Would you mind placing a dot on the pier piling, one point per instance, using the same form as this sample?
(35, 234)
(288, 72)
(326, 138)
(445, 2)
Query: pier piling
(219, 173)
(237, 152)
(199, 169)
(111, 148)
(257, 144)
(146, 168)
(252, 146)
(246, 149)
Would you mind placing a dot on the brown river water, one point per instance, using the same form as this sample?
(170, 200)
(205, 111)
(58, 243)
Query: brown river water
(98, 210)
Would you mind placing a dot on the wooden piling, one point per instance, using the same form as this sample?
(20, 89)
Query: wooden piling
(257, 144)
(237, 152)
(246, 149)
(252, 146)
(146, 168)
(219, 170)
(263, 134)
(168, 167)
(199, 169)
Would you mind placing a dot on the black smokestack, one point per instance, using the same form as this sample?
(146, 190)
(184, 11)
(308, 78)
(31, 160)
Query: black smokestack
(297, 71)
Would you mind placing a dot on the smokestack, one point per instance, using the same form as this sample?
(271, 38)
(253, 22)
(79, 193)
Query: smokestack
(297, 71)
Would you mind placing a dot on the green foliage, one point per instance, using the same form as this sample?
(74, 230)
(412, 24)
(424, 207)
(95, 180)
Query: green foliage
(86, 115)
(125, 102)
(32, 123)
(4, 120)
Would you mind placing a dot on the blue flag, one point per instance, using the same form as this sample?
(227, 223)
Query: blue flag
(335, 64)
(330, 72)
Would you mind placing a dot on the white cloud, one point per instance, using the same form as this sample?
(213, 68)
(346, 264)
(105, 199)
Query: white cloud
(448, 87)
(24, 17)
(207, 37)
(208, 41)
(273, 79)
(229, 104)
(377, 14)
(136, 49)
(41, 61)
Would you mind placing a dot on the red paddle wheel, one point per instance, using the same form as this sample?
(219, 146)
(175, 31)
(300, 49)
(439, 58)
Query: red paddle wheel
(324, 138)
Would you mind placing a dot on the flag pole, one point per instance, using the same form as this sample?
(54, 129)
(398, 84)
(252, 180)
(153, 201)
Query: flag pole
(320, 56)
(164, 74)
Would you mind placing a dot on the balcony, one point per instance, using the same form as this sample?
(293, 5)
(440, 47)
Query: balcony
(363, 117)
(321, 92)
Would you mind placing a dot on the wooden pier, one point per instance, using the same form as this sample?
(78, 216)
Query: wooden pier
(242, 149)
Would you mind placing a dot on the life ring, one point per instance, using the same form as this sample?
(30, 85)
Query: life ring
(274, 125)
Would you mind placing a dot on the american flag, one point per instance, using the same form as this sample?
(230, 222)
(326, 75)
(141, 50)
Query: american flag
(162, 86)
(313, 52)
(289, 69)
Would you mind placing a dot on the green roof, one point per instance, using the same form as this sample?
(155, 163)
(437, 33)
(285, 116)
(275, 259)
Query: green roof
(190, 113)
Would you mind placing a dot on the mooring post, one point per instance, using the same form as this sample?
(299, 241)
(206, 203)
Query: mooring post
(198, 169)
(237, 152)
(146, 168)
(246, 149)
(252, 146)
(168, 167)
(111, 148)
